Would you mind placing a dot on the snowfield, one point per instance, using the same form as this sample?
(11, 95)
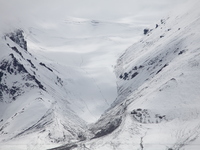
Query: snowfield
(46, 103)
(158, 105)
(35, 105)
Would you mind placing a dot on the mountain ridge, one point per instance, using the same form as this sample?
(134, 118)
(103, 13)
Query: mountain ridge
(158, 90)
(28, 93)
(158, 94)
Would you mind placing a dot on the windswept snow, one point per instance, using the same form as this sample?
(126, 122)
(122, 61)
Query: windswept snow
(86, 36)
(63, 76)
(157, 107)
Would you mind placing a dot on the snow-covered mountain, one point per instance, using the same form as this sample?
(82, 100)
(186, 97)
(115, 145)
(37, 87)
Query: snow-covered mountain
(158, 103)
(89, 48)
(52, 96)
(43, 103)
(36, 108)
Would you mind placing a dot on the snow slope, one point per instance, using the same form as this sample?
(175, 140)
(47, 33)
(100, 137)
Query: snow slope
(158, 103)
(52, 96)
(37, 110)
(87, 39)
(89, 49)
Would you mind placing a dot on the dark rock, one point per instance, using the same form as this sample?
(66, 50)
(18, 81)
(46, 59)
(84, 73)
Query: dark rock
(141, 66)
(66, 147)
(17, 51)
(81, 137)
(13, 90)
(162, 68)
(125, 76)
(135, 68)
(156, 25)
(42, 64)
(20, 68)
(38, 83)
(109, 128)
(1, 97)
(134, 75)
(146, 31)
(162, 21)
(59, 80)
(32, 65)
(18, 37)
(133, 112)
(14, 67)
(181, 52)
(10, 66)
(1, 75)
(147, 116)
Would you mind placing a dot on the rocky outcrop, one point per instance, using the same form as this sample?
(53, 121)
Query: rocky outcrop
(18, 37)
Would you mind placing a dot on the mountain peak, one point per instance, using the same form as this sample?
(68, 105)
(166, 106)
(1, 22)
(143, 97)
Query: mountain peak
(18, 37)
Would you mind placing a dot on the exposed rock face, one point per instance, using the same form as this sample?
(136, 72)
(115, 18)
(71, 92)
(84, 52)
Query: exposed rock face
(11, 68)
(147, 116)
(18, 37)
(107, 128)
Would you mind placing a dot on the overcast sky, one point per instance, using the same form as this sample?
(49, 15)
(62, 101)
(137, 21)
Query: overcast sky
(96, 9)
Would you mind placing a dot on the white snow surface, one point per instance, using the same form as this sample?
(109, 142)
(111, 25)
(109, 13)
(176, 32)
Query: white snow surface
(84, 38)
(37, 110)
(159, 106)
(87, 36)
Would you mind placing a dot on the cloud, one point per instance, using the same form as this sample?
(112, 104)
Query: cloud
(26, 13)
(103, 9)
